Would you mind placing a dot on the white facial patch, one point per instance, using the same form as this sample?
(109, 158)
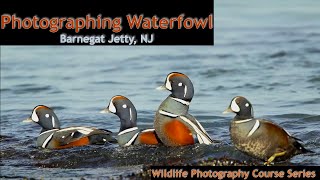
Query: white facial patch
(124, 106)
(34, 116)
(53, 124)
(47, 115)
(247, 104)
(130, 114)
(168, 84)
(112, 108)
(234, 106)
(180, 84)
(185, 91)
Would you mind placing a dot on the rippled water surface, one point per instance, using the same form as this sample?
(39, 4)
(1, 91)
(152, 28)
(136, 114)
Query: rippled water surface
(268, 52)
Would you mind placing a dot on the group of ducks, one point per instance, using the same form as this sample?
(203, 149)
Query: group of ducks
(173, 126)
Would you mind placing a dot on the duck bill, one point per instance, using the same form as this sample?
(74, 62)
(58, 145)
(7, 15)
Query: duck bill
(228, 110)
(28, 120)
(105, 111)
(161, 88)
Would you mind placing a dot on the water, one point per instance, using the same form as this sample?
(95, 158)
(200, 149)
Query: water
(266, 51)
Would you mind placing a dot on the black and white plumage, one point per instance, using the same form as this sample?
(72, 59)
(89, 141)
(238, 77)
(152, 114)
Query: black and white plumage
(129, 133)
(260, 138)
(52, 136)
(173, 123)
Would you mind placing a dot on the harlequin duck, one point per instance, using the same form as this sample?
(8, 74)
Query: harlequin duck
(173, 124)
(260, 138)
(129, 133)
(53, 137)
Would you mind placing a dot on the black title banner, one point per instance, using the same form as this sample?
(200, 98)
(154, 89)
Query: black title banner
(235, 172)
(118, 23)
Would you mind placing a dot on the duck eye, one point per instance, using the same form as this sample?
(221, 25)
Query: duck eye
(180, 84)
(247, 104)
(47, 115)
(124, 106)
